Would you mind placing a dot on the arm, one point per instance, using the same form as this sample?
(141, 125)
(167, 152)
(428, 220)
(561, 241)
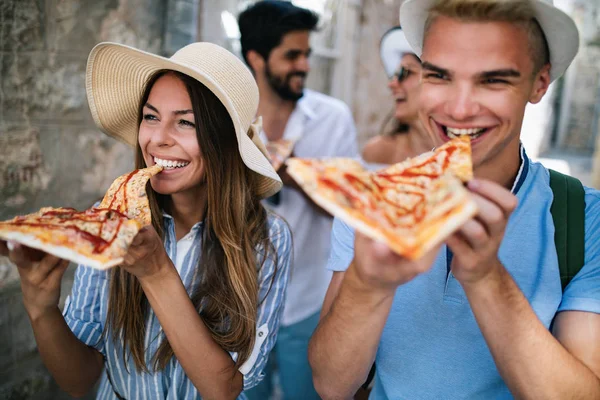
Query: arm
(342, 351)
(533, 363)
(209, 367)
(75, 366)
(343, 347)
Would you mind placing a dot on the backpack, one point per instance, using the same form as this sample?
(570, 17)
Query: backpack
(568, 214)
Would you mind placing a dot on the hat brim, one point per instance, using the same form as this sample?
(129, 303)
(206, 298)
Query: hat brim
(392, 48)
(116, 76)
(560, 31)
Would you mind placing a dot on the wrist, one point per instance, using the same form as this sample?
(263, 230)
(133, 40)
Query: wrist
(37, 314)
(488, 283)
(365, 287)
(164, 270)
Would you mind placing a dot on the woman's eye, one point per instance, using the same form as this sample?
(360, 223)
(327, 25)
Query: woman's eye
(185, 122)
(149, 117)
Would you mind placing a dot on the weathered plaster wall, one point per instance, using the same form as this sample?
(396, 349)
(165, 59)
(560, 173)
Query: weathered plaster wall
(51, 153)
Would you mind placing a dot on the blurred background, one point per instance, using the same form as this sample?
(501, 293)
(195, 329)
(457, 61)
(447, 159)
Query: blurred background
(51, 153)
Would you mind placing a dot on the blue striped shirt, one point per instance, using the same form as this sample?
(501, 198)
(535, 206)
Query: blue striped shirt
(86, 307)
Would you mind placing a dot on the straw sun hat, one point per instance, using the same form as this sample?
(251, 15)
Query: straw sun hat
(116, 76)
(560, 30)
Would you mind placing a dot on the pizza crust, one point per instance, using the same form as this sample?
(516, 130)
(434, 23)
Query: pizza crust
(58, 251)
(411, 206)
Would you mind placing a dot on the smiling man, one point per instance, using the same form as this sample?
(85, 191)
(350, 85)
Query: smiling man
(484, 316)
(275, 44)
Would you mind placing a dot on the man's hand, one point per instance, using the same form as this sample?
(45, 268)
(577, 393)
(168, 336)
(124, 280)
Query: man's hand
(379, 268)
(475, 245)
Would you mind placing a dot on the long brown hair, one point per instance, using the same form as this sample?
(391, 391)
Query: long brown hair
(235, 239)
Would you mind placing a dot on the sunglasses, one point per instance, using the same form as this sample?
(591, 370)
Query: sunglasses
(402, 74)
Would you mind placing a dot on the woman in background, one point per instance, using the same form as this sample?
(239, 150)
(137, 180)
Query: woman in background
(402, 135)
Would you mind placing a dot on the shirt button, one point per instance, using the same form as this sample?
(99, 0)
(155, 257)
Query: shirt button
(260, 334)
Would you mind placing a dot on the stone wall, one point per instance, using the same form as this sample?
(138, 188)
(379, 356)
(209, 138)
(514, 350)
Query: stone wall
(580, 109)
(372, 99)
(51, 153)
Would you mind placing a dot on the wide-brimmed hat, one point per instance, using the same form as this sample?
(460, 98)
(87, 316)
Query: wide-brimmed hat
(392, 48)
(560, 30)
(116, 77)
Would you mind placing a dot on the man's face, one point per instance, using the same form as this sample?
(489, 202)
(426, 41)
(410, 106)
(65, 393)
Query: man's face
(287, 66)
(477, 79)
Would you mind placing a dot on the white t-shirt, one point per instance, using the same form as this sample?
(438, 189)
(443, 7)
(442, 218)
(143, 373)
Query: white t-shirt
(324, 128)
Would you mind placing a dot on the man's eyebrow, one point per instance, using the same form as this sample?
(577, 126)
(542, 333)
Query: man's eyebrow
(501, 73)
(430, 67)
(297, 52)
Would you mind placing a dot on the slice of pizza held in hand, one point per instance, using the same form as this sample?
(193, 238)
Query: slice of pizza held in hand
(95, 237)
(279, 151)
(411, 206)
(127, 194)
(98, 237)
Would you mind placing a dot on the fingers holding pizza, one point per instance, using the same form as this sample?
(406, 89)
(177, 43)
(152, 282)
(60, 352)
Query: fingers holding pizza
(146, 256)
(41, 276)
(475, 245)
(380, 268)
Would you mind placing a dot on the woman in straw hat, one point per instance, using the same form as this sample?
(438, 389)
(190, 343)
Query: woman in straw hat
(194, 310)
(402, 135)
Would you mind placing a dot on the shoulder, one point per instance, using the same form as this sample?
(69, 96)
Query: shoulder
(379, 149)
(592, 212)
(280, 233)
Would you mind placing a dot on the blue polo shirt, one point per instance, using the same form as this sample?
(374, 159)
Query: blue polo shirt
(431, 346)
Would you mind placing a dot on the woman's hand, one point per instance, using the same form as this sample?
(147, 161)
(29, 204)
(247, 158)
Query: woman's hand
(146, 257)
(41, 275)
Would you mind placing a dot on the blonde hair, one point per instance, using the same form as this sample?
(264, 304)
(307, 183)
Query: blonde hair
(518, 12)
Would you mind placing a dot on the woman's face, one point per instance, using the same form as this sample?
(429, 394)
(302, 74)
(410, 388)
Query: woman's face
(406, 90)
(167, 136)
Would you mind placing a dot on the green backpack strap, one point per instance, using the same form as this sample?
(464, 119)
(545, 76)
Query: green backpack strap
(568, 213)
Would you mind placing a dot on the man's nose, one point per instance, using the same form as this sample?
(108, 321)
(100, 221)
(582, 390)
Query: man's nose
(463, 104)
(303, 64)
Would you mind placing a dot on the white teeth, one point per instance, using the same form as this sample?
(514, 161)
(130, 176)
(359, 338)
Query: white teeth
(453, 133)
(169, 164)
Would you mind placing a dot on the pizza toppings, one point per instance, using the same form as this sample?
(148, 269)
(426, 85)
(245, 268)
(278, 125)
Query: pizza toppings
(127, 194)
(98, 237)
(95, 237)
(411, 206)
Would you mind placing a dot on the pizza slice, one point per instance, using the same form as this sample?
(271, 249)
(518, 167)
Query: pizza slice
(411, 206)
(95, 237)
(127, 194)
(279, 151)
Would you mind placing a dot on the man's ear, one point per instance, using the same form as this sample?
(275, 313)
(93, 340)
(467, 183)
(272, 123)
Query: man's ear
(540, 84)
(256, 61)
